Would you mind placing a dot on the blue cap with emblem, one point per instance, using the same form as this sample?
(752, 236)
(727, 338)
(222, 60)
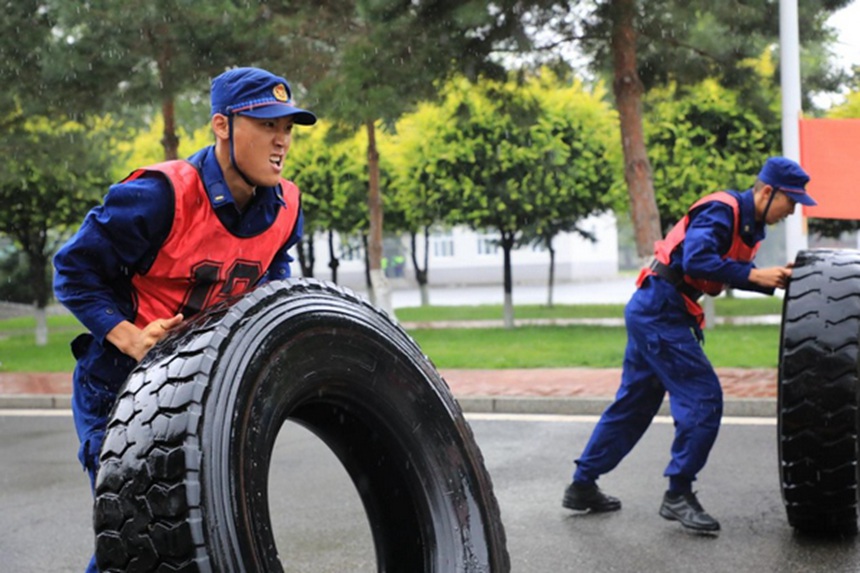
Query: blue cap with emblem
(787, 176)
(256, 93)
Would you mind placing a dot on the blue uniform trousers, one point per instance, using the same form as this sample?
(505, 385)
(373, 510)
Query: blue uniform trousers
(91, 405)
(99, 373)
(663, 354)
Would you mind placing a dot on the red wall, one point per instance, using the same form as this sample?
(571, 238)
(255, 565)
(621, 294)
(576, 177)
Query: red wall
(830, 153)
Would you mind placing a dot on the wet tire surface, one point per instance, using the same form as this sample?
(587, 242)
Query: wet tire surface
(818, 392)
(183, 484)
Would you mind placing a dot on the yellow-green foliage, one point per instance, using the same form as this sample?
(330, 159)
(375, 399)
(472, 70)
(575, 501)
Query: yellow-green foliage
(849, 109)
(145, 148)
(96, 129)
(701, 141)
(332, 174)
(492, 129)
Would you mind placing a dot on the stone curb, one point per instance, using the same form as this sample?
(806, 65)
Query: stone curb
(741, 407)
(735, 407)
(36, 401)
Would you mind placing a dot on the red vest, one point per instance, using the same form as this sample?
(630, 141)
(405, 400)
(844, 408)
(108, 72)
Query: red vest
(201, 262)
(739, 251)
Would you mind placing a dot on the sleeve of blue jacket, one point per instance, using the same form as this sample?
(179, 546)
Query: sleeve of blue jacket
(708, 239)
(93, 269)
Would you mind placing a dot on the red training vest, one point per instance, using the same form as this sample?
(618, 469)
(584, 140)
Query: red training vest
(201, 262)
(739, 251)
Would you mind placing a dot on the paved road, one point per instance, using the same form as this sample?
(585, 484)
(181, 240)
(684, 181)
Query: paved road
(319, 523)
(610, 291)
(615, 290)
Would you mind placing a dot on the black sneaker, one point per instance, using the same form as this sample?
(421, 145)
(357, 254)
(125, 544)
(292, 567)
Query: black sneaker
(589, 497)
(684, 507)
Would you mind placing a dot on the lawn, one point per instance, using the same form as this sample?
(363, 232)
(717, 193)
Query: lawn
(582, 346)
(522, 347)
(723, 306)
(18, 350)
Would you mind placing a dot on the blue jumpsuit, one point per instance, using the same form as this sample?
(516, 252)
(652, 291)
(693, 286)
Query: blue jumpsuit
(93, 272)
(664, 353)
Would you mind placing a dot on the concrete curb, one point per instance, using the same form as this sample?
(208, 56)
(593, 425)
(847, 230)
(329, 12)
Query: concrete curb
(36, 401)
(740, 407)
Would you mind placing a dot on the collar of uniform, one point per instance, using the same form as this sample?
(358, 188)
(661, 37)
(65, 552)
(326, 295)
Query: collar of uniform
(216, 187)
(752, 231)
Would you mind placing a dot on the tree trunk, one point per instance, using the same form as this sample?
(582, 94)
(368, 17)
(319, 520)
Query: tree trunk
(305, 250)
(367, 282)
(421, 275)
(551, 274)
(710, 312)
(169, 139)
(507, 247)
(333, 262)
(381, 289)
(39, 283)
(425, 286)
(628, 90)
(41, 325)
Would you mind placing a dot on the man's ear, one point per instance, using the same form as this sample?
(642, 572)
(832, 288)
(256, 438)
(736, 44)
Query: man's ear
(221, 126)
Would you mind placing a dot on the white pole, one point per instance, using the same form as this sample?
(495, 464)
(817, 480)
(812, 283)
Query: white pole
(789, 66)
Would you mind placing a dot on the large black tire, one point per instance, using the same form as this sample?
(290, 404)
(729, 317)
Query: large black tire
(818, 392)
(183, 483)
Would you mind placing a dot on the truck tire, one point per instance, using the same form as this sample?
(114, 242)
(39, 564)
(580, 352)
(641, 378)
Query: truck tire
(183, 482)
(818, 392)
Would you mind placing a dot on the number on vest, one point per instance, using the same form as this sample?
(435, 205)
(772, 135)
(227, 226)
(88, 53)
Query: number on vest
(206, 278)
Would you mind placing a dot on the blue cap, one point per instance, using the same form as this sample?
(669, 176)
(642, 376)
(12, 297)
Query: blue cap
(787, 176)
(256, 93)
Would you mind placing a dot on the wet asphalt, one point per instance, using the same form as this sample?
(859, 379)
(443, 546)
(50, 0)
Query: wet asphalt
(320, 525)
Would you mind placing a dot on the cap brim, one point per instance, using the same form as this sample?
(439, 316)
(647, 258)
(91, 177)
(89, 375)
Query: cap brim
(300, 116)
(802, 198)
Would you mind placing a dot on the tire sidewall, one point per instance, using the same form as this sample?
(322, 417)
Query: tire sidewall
(328, 352)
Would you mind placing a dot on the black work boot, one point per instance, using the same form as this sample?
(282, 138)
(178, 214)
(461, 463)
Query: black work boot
(582, 497)
(684, 507)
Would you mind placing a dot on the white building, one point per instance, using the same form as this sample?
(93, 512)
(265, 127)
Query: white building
(460, 256)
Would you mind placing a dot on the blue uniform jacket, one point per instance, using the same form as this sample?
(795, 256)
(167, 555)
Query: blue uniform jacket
(708, 238)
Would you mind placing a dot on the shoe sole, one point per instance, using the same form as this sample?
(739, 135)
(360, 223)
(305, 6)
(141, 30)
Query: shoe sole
(598, 509)
(671, 516)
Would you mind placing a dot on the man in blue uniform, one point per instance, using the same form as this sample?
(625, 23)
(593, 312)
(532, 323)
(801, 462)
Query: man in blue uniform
(176, 237)
(710, 248)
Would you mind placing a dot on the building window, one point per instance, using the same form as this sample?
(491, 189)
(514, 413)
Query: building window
(442, 245)
(487, 245)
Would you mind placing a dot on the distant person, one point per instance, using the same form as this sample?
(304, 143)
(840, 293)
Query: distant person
(711, 248)
(176, 237)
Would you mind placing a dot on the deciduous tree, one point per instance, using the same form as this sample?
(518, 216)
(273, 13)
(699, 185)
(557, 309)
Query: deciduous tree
(514, 159)
(55, 170)
(333, 180)
(645, 44)
(702, 141)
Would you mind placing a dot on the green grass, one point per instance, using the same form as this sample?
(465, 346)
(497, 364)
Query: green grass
(755, 346)
(28, 323)
(18, 350)
(523, 347)
(19, 353)
(724, 306)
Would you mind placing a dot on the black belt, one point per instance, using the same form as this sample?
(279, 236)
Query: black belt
(676, 279)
